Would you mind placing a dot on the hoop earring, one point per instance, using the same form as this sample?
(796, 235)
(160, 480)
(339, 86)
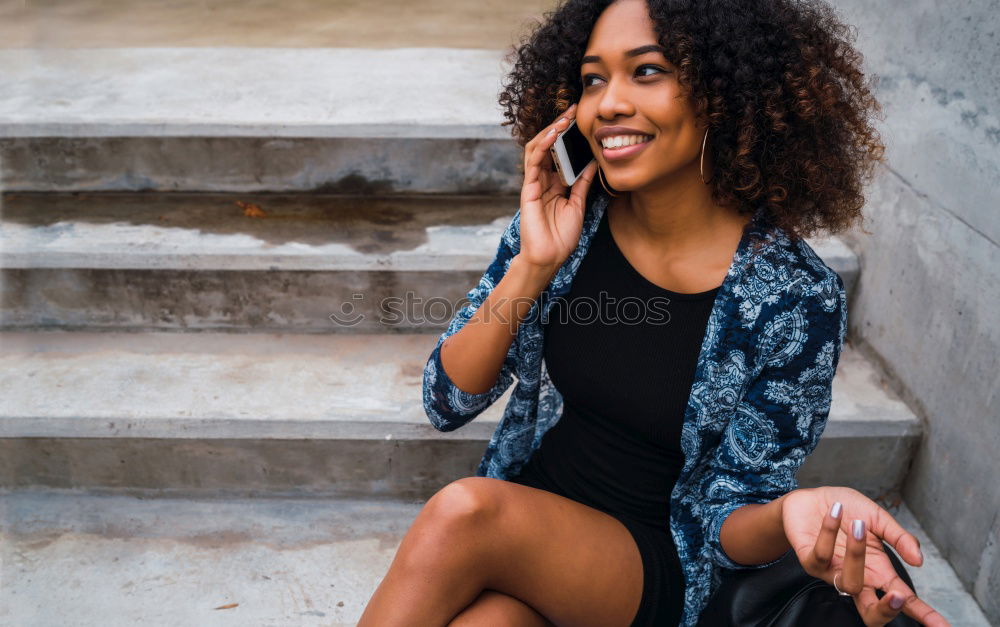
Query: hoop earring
(600, 175)
(702, 164)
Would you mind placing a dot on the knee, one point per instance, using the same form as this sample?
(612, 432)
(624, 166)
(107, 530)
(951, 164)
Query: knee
(453, 525)
(498, 610)
(467, 502)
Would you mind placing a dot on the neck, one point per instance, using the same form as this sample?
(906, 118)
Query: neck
(677, 216)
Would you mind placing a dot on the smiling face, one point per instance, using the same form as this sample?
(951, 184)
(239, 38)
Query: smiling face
(627, 82)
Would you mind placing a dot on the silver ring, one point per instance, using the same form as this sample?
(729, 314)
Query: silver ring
(839, 591)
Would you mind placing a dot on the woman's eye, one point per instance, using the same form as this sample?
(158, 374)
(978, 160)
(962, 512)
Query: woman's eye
(651, 67)
(587, 77)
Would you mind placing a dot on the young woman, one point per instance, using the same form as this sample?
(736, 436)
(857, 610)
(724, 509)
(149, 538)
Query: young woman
(639, 454)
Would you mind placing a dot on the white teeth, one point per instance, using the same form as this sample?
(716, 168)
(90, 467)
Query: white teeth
(619, 141)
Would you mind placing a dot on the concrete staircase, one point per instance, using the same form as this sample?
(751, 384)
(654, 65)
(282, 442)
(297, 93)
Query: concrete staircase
(115, 560)
(182, 418)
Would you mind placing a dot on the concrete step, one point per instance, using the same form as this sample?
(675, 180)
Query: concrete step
(300, 24)
(76, 559)
(196, 261)
(186, 261)
(343, 120)
(336, 414)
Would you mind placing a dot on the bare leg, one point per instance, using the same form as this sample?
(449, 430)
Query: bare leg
(569, 562)
(497, 609)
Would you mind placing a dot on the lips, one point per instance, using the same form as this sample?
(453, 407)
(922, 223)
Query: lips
(625, 152)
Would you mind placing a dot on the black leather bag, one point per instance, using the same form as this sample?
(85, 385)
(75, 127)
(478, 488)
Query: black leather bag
(785, 595)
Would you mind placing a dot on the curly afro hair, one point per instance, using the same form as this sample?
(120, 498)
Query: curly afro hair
(778, 81)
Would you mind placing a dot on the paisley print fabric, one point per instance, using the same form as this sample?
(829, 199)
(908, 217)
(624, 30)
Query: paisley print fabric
(758, 405)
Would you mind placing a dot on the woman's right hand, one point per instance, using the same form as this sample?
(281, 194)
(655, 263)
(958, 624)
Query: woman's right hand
(550, 223)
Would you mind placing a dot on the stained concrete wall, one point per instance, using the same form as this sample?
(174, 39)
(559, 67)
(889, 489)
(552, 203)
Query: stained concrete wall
(926, 306)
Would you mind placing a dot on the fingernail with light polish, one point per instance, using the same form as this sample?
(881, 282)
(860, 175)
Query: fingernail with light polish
(896, 602)
(835, 510)
(858, 529)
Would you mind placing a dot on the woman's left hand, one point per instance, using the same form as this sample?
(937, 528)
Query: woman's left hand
(860, 566)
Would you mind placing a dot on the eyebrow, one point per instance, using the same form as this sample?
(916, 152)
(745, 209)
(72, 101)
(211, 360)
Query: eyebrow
(593, 58)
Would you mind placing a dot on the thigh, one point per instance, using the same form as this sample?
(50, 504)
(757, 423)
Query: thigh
(572, 563)
(497, 609)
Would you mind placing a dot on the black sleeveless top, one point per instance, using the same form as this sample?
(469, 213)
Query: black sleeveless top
(622, 352)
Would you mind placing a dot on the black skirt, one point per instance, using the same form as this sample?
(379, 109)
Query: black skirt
(663, 580)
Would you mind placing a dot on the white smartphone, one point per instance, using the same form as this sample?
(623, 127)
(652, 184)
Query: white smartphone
(571, 153)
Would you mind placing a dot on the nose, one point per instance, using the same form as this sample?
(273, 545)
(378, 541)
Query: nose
(615, 100)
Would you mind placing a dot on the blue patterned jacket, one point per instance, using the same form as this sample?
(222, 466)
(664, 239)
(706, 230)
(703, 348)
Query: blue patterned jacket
(759, 401)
